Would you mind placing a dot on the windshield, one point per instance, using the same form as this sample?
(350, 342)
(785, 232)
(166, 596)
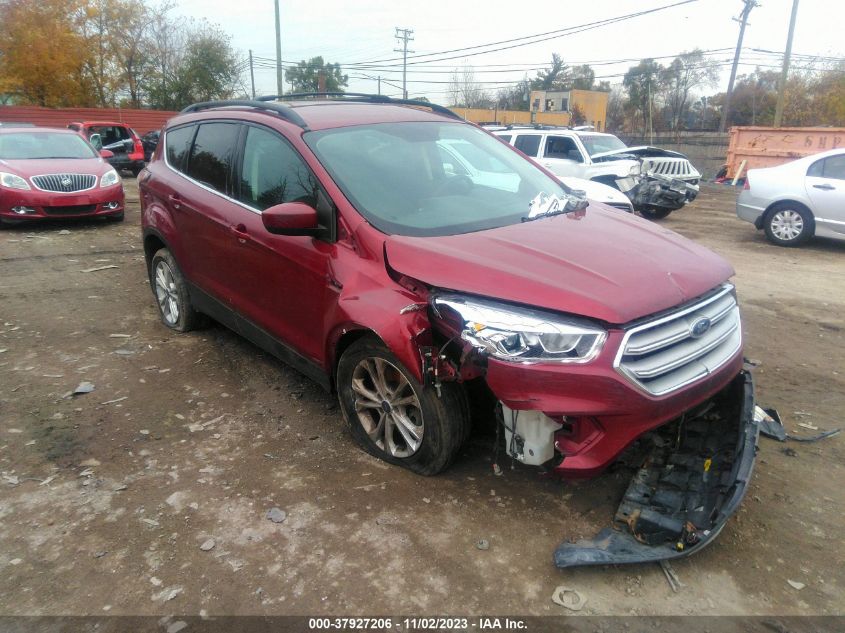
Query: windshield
(598, 143)
(32, 145)
(431, 178)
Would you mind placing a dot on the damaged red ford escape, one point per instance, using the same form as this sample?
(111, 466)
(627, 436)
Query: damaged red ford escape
(342, 236)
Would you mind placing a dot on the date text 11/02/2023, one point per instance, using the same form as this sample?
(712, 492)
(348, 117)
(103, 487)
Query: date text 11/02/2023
(419, 624)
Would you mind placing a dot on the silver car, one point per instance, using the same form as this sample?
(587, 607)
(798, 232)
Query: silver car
(797, 200)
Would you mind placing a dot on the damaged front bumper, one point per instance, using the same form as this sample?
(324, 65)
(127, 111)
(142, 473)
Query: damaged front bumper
(659, 191)
(692, 481)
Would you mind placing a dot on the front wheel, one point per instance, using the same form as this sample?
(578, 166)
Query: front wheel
(655, 214)
(395, 418)
(788, 225)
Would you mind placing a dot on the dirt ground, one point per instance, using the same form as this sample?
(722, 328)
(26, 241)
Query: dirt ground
(106, 498)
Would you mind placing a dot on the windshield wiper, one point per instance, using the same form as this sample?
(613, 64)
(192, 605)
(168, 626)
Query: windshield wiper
(544, 205)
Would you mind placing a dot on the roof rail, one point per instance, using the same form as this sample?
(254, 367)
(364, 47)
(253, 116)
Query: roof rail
(536, 126)
(362, 97)
(284, 111)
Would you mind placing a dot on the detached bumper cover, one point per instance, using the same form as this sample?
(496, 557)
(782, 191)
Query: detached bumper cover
(692, 481)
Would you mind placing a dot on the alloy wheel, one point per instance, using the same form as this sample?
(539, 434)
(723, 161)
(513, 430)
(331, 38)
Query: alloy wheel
(787, 225)
(167, 293)
(387, 407)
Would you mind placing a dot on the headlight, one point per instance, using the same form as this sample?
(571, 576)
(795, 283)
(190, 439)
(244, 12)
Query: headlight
(634, 171)
(517, 334)
(109, 178)
(13, 181)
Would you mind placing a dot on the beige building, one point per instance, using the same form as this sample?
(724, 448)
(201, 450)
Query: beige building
(592, 103)
(547, 108)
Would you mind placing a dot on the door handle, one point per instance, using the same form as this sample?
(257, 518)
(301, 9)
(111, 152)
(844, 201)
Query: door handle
(175, 200)
(825, 187)
(240, 232)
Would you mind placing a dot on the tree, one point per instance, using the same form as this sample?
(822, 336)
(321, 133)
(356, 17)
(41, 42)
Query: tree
(132, 48)
(643, 83)
(465, 91)
(687, 71)
(578, 117)
(43, 53)
(615, 109)
(582, 78)
(306, 75)
(554, 78)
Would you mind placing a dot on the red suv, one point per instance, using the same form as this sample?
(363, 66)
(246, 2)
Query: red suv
(333, 233)
(120, 139)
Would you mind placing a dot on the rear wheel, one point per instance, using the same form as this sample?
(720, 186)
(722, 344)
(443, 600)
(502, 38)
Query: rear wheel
(788, 224)
(655, 214)
(394, 417)
(171, 292)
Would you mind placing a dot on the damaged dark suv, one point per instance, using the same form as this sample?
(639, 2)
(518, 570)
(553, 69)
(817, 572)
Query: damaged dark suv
(331, 233)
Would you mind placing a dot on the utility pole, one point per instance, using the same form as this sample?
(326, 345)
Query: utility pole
(650, 122)
(379, 84)
(405, 35)
(280, 89)
(783, 73)
(743, 20)
(251, 74)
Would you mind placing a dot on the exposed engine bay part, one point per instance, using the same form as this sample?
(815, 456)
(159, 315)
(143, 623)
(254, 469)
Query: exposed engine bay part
(693, 479)
(666, 179)
(529, 435)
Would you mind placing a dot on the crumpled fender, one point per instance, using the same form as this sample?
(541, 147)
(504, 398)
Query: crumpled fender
(396, 315)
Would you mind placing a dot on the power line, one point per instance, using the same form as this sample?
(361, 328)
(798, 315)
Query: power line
(548, 35)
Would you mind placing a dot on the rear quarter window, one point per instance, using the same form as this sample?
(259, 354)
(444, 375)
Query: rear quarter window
(178, 144)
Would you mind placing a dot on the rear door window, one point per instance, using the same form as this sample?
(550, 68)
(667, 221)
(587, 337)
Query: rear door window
(834, 167)
(212, 155)
(178, 144)
(528, 144)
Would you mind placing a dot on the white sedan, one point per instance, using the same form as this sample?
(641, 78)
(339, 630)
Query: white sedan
(797, 200)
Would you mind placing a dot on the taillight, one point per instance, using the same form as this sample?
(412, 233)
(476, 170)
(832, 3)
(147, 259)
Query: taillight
(747, 184)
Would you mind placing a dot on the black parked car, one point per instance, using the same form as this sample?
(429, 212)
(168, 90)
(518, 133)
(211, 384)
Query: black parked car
(150, 141)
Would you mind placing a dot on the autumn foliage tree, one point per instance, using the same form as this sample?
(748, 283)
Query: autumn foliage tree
(111, 52)
(42, 53)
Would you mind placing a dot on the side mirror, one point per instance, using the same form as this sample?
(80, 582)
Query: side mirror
(96, 140)
(105, 153)
(291, 218)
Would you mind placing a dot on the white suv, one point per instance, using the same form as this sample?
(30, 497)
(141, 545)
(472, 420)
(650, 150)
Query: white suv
(657, 181)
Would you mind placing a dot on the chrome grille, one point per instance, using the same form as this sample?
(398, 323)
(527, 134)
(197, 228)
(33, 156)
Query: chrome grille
(664, 355)
(671, 167)
(64, 183)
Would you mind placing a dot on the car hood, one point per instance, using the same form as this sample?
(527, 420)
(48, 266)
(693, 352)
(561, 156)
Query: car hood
(595, 263)
(596, 190)
(39, 166)
(643, 151)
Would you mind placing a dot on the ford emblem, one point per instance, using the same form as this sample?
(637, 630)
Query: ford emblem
(700, 327)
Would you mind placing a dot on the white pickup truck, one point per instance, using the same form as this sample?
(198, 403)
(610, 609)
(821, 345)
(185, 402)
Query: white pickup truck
(657, 181)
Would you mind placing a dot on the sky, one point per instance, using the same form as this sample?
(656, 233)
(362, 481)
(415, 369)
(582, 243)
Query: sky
(360, 36)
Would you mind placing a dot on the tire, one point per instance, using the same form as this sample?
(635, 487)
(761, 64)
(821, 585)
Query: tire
(655, 214)
(434, 426)
(117, 217)
(171, 293)
(135, 169)
(789, 224)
